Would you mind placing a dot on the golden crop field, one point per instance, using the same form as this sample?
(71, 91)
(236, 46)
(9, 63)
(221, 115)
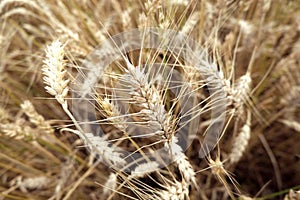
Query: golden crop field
(149, 99)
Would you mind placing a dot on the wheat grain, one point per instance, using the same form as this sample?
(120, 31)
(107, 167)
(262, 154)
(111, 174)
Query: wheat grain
(242, 87)
(125, 17)
(142, 20)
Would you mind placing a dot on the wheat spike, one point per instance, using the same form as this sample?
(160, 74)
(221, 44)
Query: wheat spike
(241, 141)
(190, 23)
(239, 93)
(292, 195)
(54, 72)
(111, 112)
(19, 130)
(143, 169)
(184, 166)
(36, 118)
(146, 95)
(153, 111)
(32, 183)
(110, 184)
(217, 169)
(175, 191)
(99, 145)
(292, 124)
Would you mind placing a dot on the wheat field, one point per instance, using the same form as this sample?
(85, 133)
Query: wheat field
(150, 99)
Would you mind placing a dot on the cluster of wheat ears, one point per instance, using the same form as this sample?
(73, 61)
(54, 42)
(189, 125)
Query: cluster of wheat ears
(212, 112)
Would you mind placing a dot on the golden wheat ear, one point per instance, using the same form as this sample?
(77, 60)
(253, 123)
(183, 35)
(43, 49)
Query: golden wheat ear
(54, 72)
(36, 118)
(240, 143)
(57, 85)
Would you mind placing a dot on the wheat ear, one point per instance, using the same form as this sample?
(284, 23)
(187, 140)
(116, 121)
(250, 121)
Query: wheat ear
(291, 124)
(184, 166)
(36, 118)
(18, 130)
(54, 72)
(190, 23)
(217, 169)
(149, 98)
(174, 191)
(292, 195)
(57, 85)
(240, 143)
(239, 93)
(55, 77)
(110, 184)
(143, 169)
(26, 184)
